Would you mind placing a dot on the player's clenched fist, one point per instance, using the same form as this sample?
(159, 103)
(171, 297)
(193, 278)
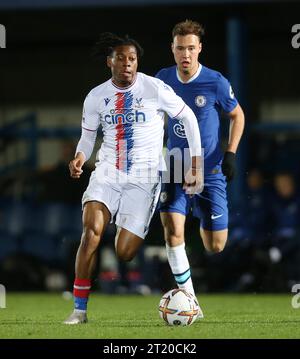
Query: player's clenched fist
(76, 164)
(194, 181)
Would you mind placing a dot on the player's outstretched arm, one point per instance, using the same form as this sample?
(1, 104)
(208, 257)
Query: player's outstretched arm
(174, 106)
(89, 126)
(194, 179)
(83, 152)
(237, 123)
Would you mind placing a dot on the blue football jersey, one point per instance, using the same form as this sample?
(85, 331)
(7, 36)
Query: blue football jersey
(207, 93)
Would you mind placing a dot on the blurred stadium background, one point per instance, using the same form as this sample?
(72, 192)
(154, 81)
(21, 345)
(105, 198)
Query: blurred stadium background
(45, 72)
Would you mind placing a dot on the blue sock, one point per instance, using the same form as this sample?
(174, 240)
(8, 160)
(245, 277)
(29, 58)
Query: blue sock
(80, 303)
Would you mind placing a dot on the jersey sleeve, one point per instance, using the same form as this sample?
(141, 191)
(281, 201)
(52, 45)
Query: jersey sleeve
(225, 95)
(159, 75)
(90, 116)
(169, 101)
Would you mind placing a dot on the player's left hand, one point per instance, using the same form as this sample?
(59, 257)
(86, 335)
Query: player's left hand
(228, 165)
(194, 181)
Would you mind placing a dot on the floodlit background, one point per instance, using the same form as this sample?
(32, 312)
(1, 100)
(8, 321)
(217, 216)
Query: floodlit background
(47, 69)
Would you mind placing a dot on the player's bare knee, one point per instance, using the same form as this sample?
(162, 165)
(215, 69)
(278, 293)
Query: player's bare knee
(214, 241)
(214, 246)
(173, 224)
(173, 236)
(174, 240)
(217, 247)
(90, 238)
(125, 255)
(209, 247)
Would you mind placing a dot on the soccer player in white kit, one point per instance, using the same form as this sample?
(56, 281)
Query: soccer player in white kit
(125, 184)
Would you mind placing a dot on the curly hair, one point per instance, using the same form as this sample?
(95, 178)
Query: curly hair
(108, 42)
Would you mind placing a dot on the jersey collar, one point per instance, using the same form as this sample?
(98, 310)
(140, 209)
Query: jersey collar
(124, 88)
(192, 78)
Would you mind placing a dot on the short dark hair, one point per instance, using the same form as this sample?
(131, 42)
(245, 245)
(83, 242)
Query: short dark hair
(108, 41)
(188, 27)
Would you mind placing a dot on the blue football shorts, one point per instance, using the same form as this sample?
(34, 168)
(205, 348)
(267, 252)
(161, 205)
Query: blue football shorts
(210, 206)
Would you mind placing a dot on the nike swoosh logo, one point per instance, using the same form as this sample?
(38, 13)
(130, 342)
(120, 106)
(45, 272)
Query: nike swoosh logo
(215, 217)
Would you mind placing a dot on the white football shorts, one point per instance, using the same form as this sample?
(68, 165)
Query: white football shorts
(131, 202)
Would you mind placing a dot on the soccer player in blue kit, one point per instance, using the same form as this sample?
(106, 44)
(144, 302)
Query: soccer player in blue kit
(207, 93)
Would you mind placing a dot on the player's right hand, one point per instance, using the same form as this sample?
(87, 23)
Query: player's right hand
(194, 181)
(75, 166)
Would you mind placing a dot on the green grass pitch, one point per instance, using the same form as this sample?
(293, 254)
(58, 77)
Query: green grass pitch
(31, 315)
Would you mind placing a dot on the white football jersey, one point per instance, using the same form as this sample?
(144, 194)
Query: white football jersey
(132, 121)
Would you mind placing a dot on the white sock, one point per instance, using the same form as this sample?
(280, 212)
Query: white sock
(79, 311)
(180, 267)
